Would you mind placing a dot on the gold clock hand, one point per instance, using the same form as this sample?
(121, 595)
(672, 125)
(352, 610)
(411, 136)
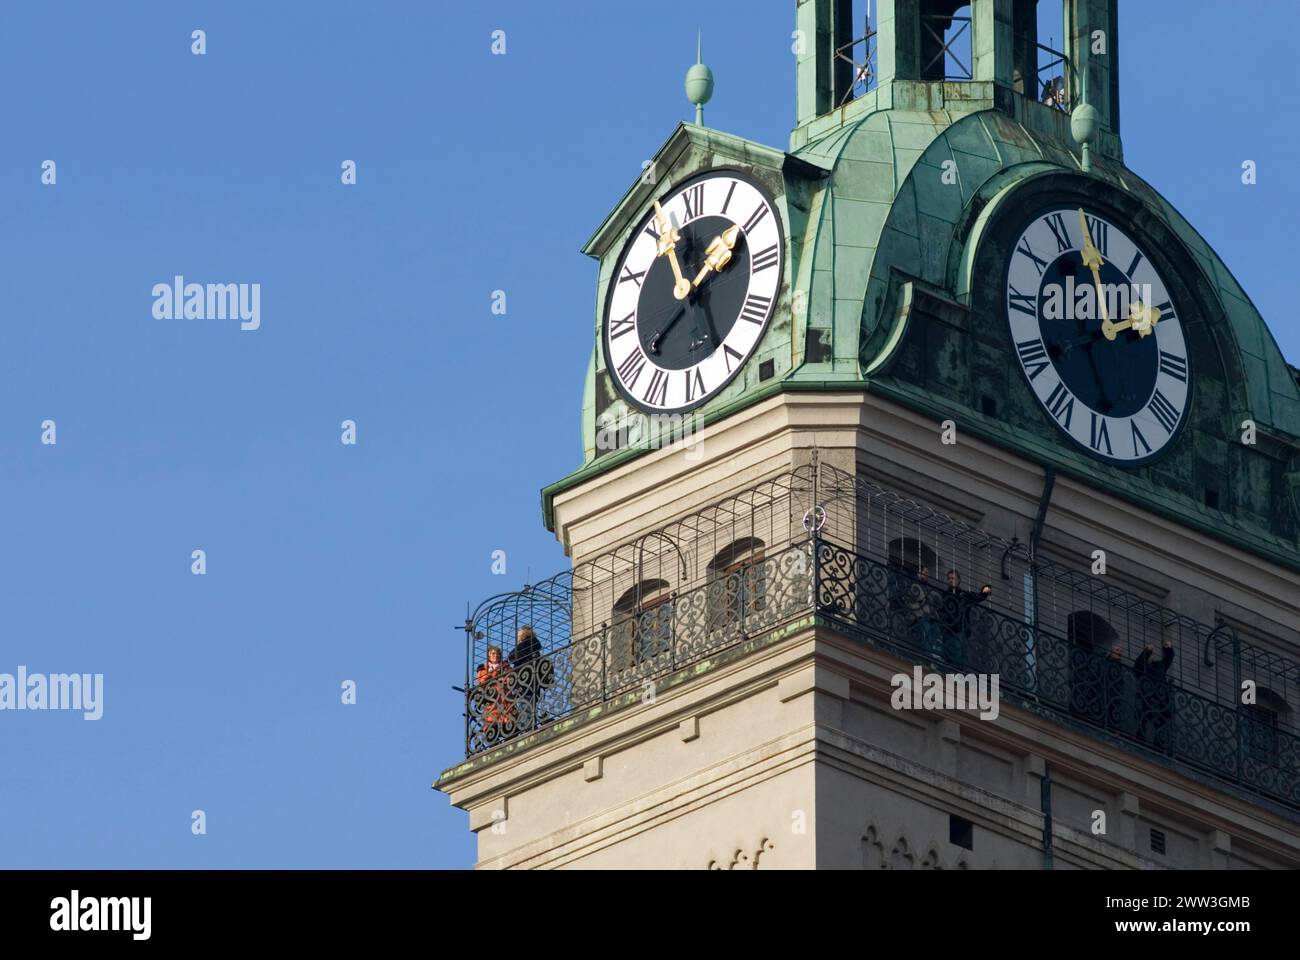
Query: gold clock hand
(1141, 318)
(1091, 255)
(1093, 261)
(718, 253)
(667, 244)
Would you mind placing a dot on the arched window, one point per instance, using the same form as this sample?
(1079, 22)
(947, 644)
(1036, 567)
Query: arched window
(946, 40)
(1261, 723)
(1091, 678)
(737, 583)
(913, 555)
(1091, 632)
(910, 562)
(642, 623)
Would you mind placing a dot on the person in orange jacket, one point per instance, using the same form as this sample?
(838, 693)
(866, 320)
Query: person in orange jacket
(498, 711)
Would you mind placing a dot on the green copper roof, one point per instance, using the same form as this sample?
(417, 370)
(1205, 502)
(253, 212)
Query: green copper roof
(888, 201)
(891, 209)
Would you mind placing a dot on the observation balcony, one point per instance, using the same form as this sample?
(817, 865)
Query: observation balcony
(819, 547)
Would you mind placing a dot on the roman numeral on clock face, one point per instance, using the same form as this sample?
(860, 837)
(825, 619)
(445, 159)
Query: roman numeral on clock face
(755, 218)
(694, 201)
(1100, 231)
(727, 202)
(620, 327)
(629, 275)
(1024, 302)
(1098, 434)
(1138, 438)
(657, 393)
(1034, 357)
(764, 259)
(694, 384)
(1028, 251)
(1056, 222)
(1164, 411)
(755, 309)
(728, 353)
(1173, 365)
(629, 371)
(1061, 403)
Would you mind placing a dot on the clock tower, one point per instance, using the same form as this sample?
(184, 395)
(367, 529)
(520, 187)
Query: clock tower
(942, 390)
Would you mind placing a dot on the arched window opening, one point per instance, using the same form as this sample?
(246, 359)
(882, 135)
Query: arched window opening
(1092, 677)
(642, 623)
(737, 583)
(946, 40)
(1089, 631)
(910, 561)
(912, 555)
(1261, 720)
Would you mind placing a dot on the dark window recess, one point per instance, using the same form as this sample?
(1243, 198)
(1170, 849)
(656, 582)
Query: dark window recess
(766, 370)
(1157, 841)
(815, 349)
(989, 406)
(961, 832)
(1212, 499)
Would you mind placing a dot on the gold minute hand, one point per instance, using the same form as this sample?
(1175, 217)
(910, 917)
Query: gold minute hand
(667, 243)
(1093, 261)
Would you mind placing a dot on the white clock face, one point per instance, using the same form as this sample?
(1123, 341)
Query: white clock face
(693, 292)
(1097, 335)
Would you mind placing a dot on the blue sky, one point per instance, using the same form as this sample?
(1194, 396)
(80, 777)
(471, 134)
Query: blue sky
(329, 562)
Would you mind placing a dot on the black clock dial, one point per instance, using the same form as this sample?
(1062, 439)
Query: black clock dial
(676, 337)
(1097, 334)
(677, 334)
(1113, 377)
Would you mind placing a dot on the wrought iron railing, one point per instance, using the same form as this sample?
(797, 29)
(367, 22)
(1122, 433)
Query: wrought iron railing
(860, 56)
(1054, 78)
(738, 567)
(1138, 702)
(939, 28)
(529, 690)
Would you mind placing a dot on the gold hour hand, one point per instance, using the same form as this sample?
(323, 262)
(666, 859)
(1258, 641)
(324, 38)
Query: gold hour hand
(718, 253)
(667, 243)
(1141, 319)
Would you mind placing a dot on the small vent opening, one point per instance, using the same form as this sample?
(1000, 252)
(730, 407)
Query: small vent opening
(961, 832)
(1157, 841)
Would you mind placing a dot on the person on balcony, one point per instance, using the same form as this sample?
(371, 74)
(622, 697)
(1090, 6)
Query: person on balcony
(527, 648)
(955, 614)
(533, 672)
(1155, 694)
(1054, 93)
(498, 706)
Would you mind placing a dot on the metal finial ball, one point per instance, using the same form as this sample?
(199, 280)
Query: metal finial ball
(699, 84)
(1084, 122)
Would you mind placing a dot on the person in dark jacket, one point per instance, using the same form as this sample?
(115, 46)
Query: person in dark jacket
(527, 648)
(534, 674)
(955, 617)
(1155, 694)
